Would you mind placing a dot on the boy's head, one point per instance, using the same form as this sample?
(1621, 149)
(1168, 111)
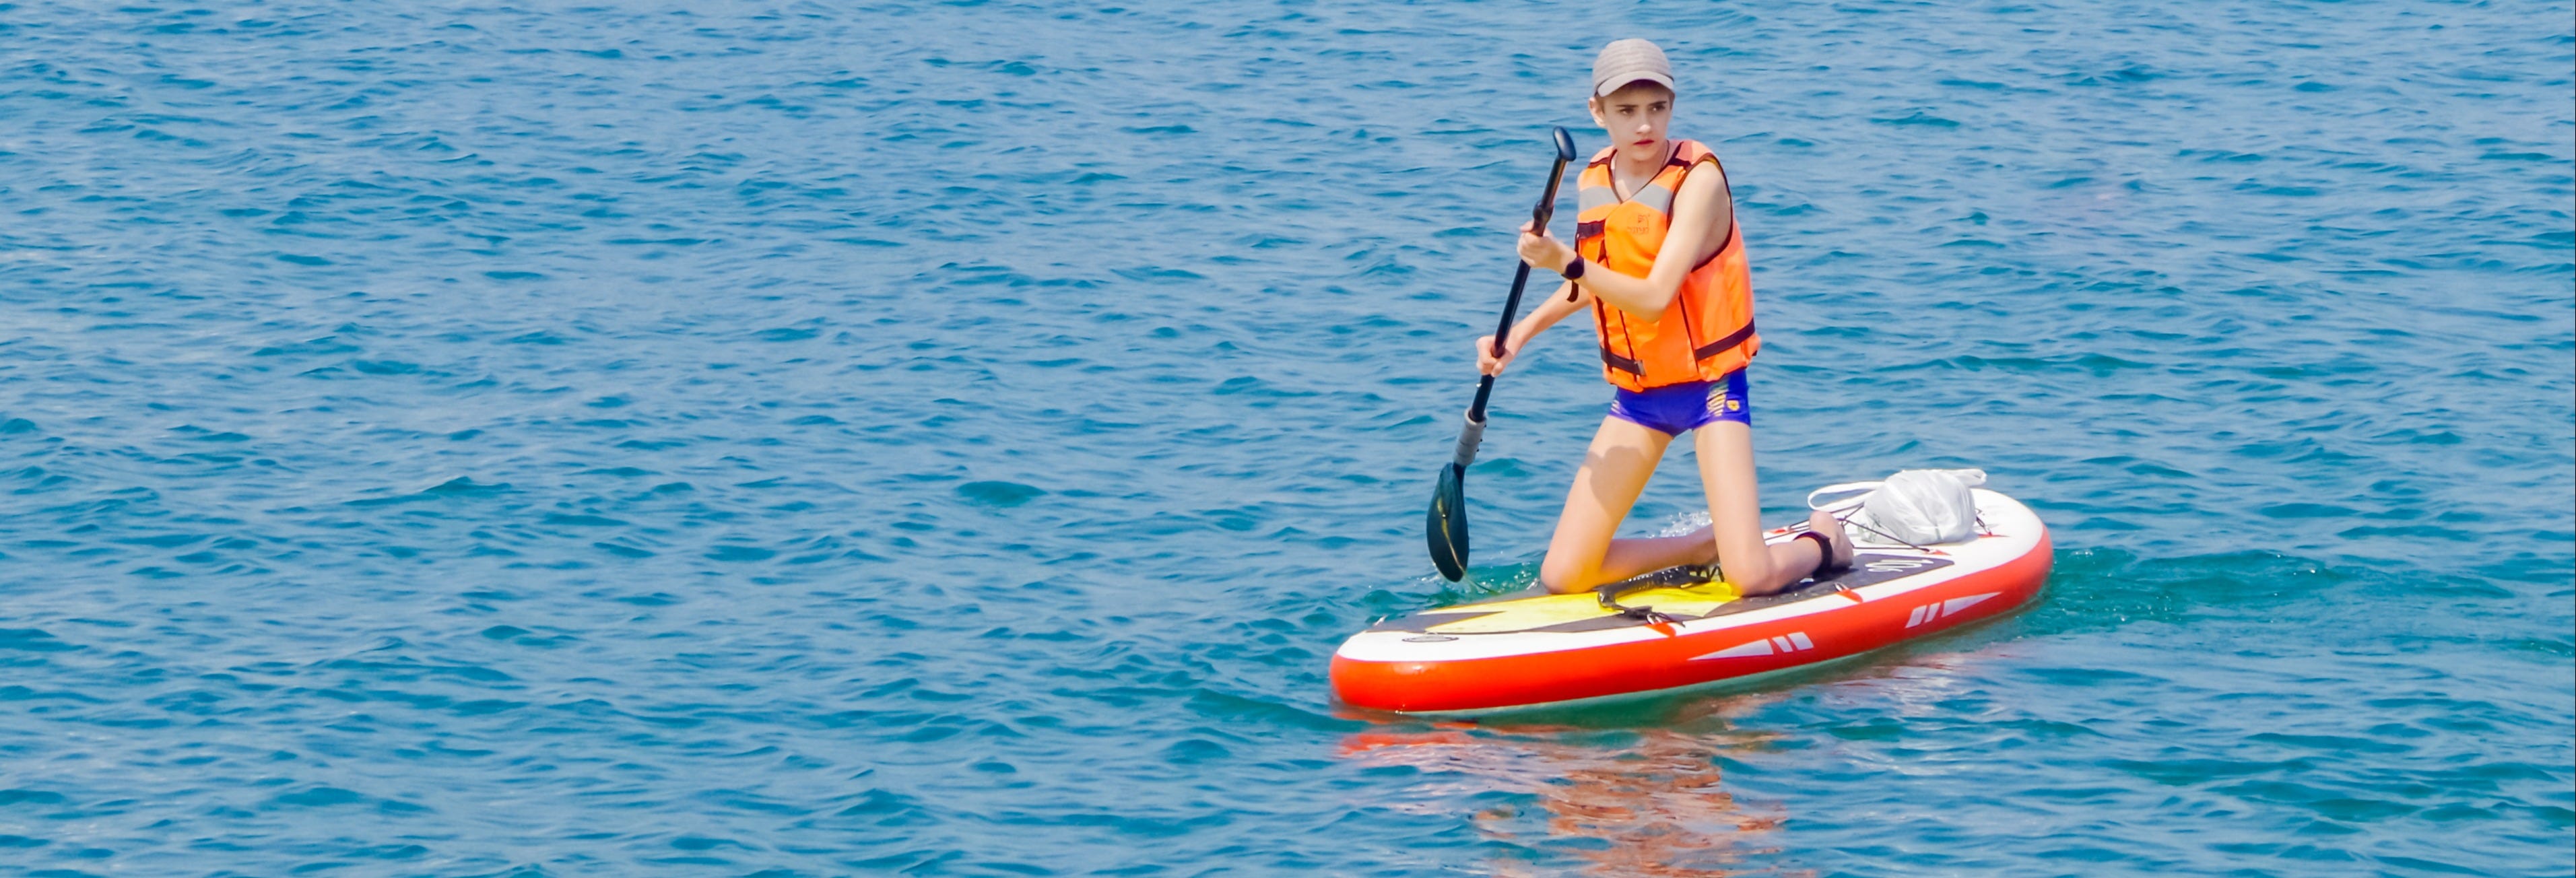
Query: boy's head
(1632, 95)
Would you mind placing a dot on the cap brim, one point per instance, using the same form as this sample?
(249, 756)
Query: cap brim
(1616, 83)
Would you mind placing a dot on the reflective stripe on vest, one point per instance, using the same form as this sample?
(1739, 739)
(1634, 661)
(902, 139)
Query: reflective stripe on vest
(1707, 332)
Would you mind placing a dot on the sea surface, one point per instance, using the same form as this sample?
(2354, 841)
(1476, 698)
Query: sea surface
(803, 438)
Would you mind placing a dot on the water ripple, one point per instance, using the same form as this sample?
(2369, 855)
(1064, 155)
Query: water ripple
(949, 438)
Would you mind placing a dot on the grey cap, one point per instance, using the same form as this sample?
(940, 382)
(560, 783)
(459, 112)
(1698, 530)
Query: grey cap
(1626, 61)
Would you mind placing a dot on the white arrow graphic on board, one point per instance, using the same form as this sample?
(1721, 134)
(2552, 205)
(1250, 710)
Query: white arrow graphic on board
(1794, 641)
(1951, 607)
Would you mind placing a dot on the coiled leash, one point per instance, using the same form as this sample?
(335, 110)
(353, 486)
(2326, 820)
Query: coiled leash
(1688, 574)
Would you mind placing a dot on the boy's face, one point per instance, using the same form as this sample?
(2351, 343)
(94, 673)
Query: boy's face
(1636, 116)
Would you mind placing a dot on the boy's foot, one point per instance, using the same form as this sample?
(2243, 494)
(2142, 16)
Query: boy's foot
(1704, 538)
(1838, 543)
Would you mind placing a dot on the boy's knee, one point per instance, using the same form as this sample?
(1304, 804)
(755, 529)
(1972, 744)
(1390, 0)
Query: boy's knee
(1562, 576)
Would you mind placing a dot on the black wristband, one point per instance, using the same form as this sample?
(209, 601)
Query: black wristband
(1574, 270)
(1824, 553)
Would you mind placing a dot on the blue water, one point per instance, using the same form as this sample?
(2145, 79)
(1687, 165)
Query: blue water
(803, 439)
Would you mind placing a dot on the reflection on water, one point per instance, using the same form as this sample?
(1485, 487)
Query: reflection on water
(1635, 787)
(1640, 802)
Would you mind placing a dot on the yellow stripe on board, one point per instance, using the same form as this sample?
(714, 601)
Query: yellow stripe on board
(1558, 609)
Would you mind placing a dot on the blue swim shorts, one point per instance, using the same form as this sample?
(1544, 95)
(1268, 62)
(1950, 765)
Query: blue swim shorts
(1675, 409)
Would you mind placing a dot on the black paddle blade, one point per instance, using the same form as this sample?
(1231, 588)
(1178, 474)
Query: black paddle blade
(1446, 525)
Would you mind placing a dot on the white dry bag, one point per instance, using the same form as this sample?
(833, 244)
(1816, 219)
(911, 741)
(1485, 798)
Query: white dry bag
(1915, 506)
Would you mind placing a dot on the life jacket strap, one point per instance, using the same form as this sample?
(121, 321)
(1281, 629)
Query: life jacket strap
(1719, 346)
(1622, 364)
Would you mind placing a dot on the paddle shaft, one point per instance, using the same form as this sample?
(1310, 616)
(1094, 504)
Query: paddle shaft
(1485, 385)
(1539, 216)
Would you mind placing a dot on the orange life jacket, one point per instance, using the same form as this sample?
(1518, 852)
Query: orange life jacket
(1707, 332)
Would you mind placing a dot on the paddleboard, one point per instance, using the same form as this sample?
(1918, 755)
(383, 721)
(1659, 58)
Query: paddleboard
(1551, 650)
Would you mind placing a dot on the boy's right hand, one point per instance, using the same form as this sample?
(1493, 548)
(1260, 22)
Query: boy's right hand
(1489, 364)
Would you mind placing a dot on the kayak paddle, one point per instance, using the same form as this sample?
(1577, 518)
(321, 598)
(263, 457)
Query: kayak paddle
(1446, 525)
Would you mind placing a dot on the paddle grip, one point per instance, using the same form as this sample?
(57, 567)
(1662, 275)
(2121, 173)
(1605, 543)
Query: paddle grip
(1469, 437)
